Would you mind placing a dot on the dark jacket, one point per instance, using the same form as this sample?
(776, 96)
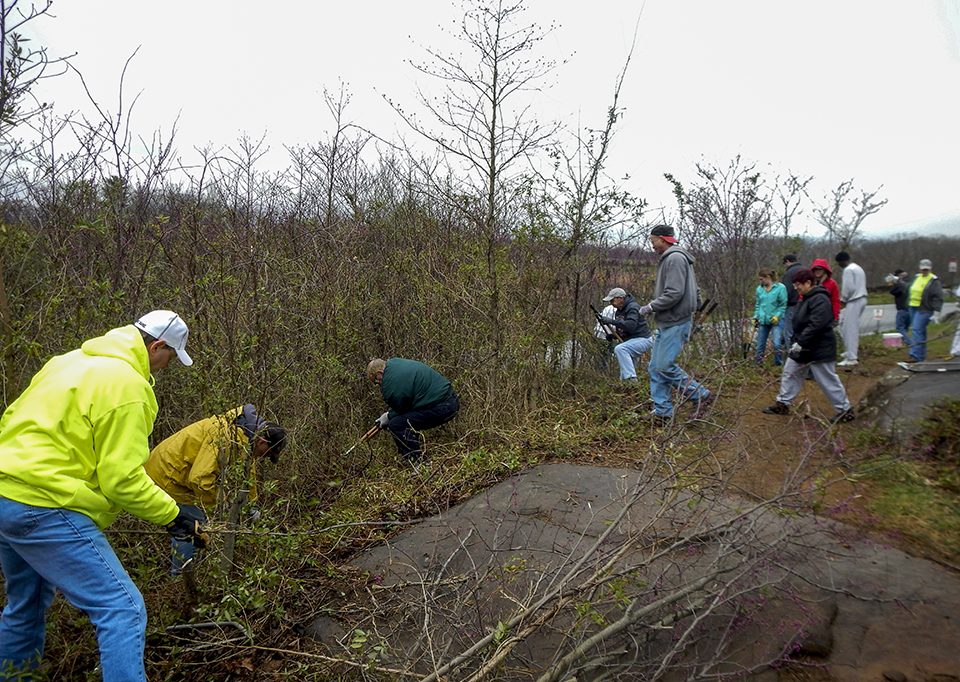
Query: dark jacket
(793, 297)
(629, 322)
(410, 385)
(813, 327)
(900, 290)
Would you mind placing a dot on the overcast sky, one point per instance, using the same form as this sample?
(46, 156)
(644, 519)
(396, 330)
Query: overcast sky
(836, 89)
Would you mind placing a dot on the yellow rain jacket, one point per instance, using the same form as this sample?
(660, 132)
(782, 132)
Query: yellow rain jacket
(77, 438)
(187, 464)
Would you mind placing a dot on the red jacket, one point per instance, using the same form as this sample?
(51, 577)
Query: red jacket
(830, 285)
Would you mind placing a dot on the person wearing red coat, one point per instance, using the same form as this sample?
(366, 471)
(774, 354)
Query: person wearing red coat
(824, 275)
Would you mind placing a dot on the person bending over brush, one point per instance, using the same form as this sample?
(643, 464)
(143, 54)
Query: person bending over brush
(418, 397)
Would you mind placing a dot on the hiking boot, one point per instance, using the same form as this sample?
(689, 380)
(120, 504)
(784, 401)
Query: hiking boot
(844, 417)
(702, 406)
(777, 408)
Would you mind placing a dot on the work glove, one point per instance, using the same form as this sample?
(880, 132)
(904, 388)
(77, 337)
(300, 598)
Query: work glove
(774, 320)
(608, 320)
(795, 351)
(184, 528)
(890, 279)
(611, 337)
(756, 322)
(936, 317)
(383, 420)
(646, 310)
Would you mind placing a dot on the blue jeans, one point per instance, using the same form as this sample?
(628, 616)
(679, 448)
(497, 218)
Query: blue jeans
(919, 322)
(404, 427)
(627, 354)
(787, 322)
(184, 550)
(44, 549)
(763, 333)
(666, 375)
(903, 325)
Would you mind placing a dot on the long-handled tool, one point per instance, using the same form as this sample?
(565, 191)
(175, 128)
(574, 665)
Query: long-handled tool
(749, 334)
(702, 313)
(367, 436)
(604, 325)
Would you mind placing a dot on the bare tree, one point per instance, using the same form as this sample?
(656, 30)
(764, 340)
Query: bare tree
(482, 122)
(587, 206)
(789, 192)
(843, 212)
(21, 66)
(725, 216)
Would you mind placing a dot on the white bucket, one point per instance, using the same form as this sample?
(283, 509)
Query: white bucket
(894, 340)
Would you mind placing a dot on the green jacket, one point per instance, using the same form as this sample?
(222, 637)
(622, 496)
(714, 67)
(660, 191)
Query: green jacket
(77, 438)
(410, 385)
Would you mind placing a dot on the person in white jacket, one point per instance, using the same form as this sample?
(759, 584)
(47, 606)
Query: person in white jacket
(853, 298)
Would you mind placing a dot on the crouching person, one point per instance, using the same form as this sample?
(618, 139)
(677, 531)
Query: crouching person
(419, 398)
(188, 465)
(813, 349)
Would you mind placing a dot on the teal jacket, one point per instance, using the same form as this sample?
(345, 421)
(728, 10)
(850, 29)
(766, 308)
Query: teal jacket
(770, 303)
(410, 385)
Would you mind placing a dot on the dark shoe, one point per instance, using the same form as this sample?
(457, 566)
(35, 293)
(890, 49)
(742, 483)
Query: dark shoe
(844, 417)
(911, 360)
(777, 408)
(702, 406)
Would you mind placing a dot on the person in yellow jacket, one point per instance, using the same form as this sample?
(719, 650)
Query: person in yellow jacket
(188, 464)
(72, 449)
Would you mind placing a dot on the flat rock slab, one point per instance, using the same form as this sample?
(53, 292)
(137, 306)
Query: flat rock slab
(864, 609)
(903, 395)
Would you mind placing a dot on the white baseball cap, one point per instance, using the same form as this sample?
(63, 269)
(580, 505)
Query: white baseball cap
(168, 327)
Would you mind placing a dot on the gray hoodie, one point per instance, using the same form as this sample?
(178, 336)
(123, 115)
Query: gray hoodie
(675, 295)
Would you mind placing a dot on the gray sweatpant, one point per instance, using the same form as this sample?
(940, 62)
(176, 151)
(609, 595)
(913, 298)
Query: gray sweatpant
(850, 327)
(794, 373)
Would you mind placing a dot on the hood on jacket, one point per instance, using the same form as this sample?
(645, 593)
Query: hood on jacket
(821, 263)
(123, 343)
(676, 248)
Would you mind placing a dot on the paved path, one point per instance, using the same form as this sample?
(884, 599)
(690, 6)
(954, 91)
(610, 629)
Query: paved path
(882, 318)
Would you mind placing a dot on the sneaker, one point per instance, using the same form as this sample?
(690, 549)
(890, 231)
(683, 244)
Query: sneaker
(844, 417)
(911, 360)
(777, 408)
(847, 363)
(702, 406)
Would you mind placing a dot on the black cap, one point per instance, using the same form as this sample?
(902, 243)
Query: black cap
(790, 258)
(899, 272)
(664, 231)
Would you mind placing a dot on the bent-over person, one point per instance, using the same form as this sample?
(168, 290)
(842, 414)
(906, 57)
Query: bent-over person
(418, 397)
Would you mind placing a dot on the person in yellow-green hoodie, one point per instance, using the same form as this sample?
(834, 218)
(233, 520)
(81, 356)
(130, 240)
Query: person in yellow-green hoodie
(188, 464)
(72, 449)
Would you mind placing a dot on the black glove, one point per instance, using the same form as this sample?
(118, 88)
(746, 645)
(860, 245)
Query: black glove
(608, 320)
(611, 337)
(185, 528)
(756, 323)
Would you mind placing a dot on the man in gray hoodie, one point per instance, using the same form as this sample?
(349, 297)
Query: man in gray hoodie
(676, 299)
